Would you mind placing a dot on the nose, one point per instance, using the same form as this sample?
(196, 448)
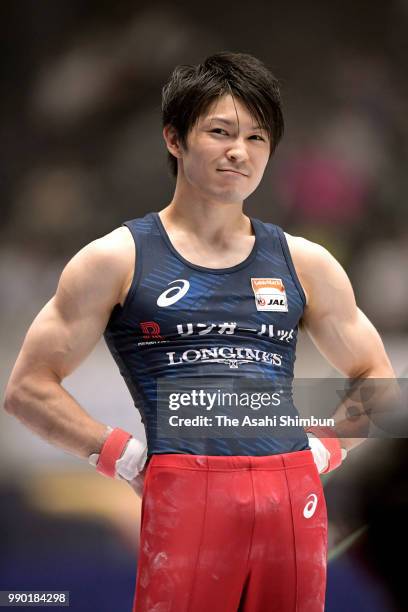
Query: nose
(237, 151)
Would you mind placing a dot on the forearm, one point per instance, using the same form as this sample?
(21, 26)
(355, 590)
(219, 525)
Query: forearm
(46, 408)
(372, 400)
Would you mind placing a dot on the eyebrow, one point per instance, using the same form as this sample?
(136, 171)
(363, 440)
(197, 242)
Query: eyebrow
(229, 122)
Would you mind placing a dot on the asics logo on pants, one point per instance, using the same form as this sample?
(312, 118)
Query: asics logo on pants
(310, 507)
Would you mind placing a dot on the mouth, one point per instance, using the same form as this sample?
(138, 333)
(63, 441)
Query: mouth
(230, 171)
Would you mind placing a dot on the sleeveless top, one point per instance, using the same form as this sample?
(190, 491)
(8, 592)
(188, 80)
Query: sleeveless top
(187, 336)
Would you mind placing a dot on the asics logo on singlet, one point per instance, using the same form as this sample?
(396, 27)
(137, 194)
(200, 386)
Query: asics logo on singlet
(310, 507)
(168, 297)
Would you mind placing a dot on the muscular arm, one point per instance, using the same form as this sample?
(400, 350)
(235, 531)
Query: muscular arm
(59, 339)
(339, 329)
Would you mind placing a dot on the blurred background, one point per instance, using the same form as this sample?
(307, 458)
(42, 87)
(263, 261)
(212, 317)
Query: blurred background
(81, 151)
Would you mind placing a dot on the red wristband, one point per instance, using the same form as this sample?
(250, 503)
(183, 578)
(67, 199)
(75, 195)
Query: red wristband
(111, 451)
(329, 439)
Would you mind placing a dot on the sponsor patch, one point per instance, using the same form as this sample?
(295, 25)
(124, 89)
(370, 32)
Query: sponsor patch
(269, 294)
(151, 330)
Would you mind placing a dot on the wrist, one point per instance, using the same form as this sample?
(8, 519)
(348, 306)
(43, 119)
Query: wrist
(121, 455)
(327, 436)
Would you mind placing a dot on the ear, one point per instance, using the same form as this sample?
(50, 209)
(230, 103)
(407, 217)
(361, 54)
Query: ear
(170, 135)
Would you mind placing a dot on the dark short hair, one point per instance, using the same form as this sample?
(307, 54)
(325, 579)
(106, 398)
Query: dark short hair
(192, 89)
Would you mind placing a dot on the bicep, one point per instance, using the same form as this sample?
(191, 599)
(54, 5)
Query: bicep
(55, 346)
(68, 327)
(350, 346)
(338, 328)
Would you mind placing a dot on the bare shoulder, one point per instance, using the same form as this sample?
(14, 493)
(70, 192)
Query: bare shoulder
(116, 243)
(113, 250)
(117, 250)
(300, 251)
(102, 268)
(301, 248)
(313, 264)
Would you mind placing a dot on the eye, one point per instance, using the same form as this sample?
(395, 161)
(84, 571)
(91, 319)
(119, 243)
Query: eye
(218, 131)
(258, 137)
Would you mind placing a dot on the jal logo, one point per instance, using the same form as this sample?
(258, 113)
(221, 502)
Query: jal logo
(270, 294)
(173, 294)
(263, 301)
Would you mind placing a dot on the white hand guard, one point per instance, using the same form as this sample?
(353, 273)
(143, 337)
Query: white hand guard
(133, 459)
(320, 453)
(121, 456)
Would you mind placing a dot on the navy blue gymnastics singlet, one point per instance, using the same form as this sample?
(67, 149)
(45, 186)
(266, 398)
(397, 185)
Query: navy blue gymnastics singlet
(184, 321)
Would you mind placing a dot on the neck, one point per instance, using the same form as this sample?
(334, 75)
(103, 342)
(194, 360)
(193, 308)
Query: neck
(204, 216)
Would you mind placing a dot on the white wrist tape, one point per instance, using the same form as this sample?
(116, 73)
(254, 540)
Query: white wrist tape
(133, 459)
(320, 453)
(121, 456)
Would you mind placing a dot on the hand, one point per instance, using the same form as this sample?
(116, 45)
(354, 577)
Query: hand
(320, 453)
(137, 483)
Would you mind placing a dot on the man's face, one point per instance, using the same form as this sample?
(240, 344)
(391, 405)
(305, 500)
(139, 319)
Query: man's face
(226, 153)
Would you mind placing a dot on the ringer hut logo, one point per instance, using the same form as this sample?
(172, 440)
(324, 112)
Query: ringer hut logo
(269, 294)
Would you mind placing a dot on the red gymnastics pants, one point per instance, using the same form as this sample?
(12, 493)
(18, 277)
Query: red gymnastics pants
(232, 534)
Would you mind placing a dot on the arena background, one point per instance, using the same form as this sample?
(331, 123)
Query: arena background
(81, 151)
